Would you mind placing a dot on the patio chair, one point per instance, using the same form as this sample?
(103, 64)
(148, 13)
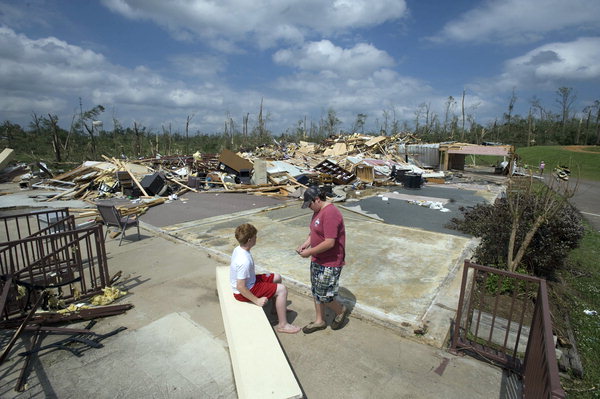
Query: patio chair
(111, 217)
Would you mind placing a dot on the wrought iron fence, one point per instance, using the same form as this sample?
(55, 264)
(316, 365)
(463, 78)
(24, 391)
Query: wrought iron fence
(26, 224)
(72, 263)
(505, 317)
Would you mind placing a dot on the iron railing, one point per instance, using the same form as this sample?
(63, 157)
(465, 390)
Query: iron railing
(540, 371)
(505, 317)
(72, 262)
(16, 226)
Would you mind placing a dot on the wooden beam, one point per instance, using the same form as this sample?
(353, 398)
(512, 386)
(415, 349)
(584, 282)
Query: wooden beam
(181, 184)
(137, 183)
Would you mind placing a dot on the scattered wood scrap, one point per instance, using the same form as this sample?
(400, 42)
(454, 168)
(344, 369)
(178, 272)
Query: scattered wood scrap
(360, 160)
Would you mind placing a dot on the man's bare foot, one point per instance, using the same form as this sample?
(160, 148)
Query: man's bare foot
(288, 329)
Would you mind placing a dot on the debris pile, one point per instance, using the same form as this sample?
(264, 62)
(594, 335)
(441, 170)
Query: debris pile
(345, 162)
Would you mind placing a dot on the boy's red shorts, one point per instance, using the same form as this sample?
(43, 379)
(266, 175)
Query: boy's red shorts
(264, 286)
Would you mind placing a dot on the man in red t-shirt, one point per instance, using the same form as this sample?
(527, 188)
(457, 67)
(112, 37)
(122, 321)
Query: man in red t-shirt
(326, 245)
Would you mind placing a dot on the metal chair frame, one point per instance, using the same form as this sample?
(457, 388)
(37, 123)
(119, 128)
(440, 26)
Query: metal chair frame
(111, 217)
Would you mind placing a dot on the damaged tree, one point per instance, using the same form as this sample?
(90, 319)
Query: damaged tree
(533, 228)
(549, 200)
(86, 121)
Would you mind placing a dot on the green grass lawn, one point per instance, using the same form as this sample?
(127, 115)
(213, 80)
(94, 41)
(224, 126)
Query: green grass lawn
(586, 165)
(581, 293)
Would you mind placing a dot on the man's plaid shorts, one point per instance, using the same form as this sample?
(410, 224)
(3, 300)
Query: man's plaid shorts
(324, 281)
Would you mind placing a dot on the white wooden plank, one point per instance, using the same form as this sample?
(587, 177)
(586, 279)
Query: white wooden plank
(260, 367)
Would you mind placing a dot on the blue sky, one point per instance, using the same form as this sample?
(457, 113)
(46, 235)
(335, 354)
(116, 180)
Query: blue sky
(156, 62)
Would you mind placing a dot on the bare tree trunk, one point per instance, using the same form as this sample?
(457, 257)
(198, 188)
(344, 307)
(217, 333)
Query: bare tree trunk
(587, 126)
(55, 138)
(90, 133)
(187, 137)
(462, 106)
(156, 150)
(550, 200)
(525, 244)
(511, 106)
(169, 137)
(71, 129)
(511, 243)
(565, 100)
(598, 127)
(516, 211)
(529, 123)
(304, 127)
(138, 142)
(578, 131)
(261, 122)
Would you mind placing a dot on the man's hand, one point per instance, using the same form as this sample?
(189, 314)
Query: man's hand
(305, 253)
(261, 301)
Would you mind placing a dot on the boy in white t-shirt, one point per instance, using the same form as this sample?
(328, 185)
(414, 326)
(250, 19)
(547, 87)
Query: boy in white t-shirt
(256, 288)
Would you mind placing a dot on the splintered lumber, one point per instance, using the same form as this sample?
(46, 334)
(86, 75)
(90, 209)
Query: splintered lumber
(72, 174)
(141, 208)
(181, 184)
(89, 214)
(250, 190)
(280, 194)
(295, 181)
(6, 156)
(121, 165)
(375, 140)
(59, 195)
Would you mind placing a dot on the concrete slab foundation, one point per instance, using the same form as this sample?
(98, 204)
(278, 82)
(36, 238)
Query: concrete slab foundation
(394, 275)
(176, 336)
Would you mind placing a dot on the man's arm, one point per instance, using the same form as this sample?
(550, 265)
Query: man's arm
(241, 287)
(323, 246)
(304, 245)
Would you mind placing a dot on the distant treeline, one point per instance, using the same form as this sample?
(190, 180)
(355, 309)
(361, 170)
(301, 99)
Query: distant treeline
(87, 139)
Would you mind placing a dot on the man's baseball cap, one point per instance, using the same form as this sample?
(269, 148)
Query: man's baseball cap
(310, 195)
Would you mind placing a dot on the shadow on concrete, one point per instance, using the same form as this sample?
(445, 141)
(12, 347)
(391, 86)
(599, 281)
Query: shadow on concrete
(132, 282)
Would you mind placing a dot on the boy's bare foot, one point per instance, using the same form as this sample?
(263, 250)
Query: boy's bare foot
(288, 329)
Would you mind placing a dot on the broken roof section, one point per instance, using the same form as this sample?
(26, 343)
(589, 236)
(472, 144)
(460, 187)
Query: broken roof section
(453, 154)
(473, 149)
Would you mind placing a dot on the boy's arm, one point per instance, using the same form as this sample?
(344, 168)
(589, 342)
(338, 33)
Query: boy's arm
(241, 287)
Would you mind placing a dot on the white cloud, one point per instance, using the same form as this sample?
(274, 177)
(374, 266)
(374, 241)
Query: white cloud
(369, 94)
(360, 60)
(45, 75)
(517, 21)
(548, 67)
(201, 66)
(264, 22)
(45, 64)
(576, 60)
(49, 75)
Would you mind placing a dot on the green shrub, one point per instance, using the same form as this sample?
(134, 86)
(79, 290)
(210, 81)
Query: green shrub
(496, 284)
(550, 245)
